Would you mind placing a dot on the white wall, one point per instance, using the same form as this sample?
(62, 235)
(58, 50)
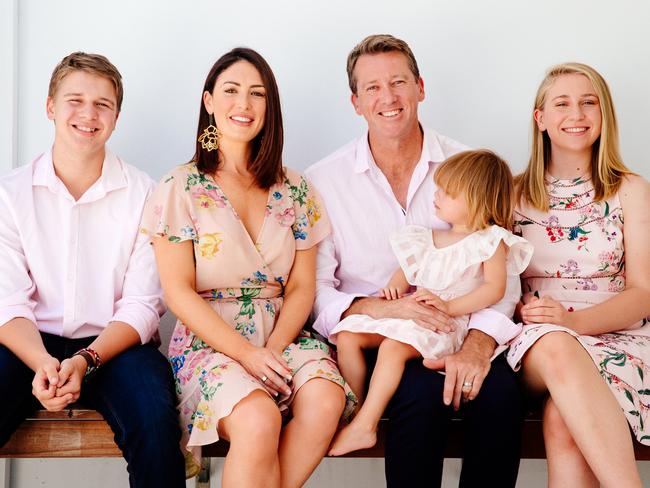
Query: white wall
(8, 83)
(481, 62)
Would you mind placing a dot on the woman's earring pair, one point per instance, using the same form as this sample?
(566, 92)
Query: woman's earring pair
(210, 138)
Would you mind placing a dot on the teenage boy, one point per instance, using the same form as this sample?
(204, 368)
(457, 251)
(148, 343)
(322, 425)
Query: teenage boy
(80, 300)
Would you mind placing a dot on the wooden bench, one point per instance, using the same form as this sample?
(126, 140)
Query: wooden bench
(84, 433)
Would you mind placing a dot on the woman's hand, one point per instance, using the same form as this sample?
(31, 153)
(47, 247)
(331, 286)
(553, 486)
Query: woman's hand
(267, 366)
(546, 310)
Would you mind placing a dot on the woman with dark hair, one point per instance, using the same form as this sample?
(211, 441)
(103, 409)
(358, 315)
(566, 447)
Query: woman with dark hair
(235, 239)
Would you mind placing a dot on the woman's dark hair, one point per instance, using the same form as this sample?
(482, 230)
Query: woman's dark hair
(266, 164)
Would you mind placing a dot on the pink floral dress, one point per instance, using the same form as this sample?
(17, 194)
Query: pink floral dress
(579, 260)
(244, 282)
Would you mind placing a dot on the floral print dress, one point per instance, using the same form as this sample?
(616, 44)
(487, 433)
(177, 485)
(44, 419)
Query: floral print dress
(243, 281)
(579, 260)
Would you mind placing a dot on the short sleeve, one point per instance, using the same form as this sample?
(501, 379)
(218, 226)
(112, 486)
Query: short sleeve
(520, 251)
(168, 212)
(311, 224)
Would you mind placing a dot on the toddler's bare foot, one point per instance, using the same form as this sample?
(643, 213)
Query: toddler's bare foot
(352, 438)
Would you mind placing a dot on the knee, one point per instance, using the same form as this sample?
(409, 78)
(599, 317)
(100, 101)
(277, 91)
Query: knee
(396, 350)
(257, 421)
(556, 432)
(551, 355)
(346, 339)
(319, 402)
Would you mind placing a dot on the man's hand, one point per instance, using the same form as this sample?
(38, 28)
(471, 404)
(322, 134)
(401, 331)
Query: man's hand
(466, 369)
(71, 376)
(403, 308)
(45, 383)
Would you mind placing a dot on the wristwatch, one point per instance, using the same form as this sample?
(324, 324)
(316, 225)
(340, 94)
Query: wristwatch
(93, 360)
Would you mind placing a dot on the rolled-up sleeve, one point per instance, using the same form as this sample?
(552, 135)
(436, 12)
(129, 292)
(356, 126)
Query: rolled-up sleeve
(141, 304)
(16, 285)
(330, 303)
(495, 321)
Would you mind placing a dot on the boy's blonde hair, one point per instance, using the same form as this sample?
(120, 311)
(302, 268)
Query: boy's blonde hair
(95, 64)
(486, 182)
(607, 168)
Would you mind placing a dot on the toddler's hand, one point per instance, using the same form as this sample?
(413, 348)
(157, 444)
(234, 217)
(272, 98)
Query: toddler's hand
(390, 293)
(432, 300)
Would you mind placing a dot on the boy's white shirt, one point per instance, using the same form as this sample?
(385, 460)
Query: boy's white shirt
(72, 267)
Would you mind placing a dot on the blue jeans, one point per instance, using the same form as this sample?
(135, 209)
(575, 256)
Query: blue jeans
(419, 422)
(135, 394)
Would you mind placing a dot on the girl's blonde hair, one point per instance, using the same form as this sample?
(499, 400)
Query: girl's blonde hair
(607, 168)
(486, 182)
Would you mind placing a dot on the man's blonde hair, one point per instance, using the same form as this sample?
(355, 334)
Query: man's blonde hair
(607, 167)
(486, 182)
(375, 44)
(95, 64)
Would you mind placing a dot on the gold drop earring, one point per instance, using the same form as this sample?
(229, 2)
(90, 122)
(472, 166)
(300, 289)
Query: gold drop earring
(210, 138)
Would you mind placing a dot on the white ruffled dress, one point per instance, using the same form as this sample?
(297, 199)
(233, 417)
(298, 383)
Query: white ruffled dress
(448, 272)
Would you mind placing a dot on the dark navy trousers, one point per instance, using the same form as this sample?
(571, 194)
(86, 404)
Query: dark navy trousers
(419, 422)
(135, 394)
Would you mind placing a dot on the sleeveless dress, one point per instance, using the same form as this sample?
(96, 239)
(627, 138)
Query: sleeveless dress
(580, 261)
(243, 281)
(448, 272)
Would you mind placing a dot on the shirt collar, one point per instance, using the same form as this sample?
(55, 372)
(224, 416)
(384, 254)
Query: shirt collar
(431, 151)
(113, 177)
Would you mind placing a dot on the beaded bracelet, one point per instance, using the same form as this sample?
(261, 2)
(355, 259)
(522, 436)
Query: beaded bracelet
(92, 359)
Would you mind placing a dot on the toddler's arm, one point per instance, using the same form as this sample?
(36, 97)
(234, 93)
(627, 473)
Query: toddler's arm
(490, 292)
(397, 286)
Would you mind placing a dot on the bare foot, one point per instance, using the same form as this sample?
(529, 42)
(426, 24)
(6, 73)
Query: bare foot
(352, 438)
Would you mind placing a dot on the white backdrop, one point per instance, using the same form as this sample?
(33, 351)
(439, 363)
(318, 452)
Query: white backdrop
(481, 62)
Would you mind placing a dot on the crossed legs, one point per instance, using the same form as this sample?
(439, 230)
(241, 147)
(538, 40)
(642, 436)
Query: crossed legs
(580, 452)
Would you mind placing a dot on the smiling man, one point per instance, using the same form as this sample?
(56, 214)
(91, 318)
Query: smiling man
(80, 300)
(372, 187)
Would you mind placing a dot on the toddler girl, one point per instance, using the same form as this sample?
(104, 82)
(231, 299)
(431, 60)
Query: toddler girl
(459, 270)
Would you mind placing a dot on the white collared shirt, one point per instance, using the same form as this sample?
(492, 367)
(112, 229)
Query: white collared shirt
(356, 260)
(72, 267)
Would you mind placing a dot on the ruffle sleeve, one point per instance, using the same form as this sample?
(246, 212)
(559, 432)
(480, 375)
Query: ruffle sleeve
(311, 224)
(411, 245)
(168, 212)
(425, 265)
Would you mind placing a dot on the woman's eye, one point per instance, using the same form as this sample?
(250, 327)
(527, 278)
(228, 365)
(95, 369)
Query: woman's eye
(230, 90)
(258, 94)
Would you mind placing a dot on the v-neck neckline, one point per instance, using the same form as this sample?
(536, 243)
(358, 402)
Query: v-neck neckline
(255, 242)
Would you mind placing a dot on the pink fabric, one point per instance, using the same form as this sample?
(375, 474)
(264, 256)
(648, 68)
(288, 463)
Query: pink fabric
(579, 260)
(356, 260)
(71, 267)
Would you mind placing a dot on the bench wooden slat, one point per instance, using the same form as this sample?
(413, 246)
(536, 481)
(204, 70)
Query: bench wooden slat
(84, 433)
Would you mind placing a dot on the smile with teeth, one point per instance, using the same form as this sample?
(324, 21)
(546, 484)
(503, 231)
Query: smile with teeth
(85, 129)
(574, 130)
(239, 118)
(391, 113)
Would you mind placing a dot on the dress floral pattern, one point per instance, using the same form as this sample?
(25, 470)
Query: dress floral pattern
(243, 281)
(579, 260)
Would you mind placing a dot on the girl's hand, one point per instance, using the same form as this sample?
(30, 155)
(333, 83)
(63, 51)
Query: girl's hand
(268, 367)
(546, 310)
(432, 300)
(390, 293)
